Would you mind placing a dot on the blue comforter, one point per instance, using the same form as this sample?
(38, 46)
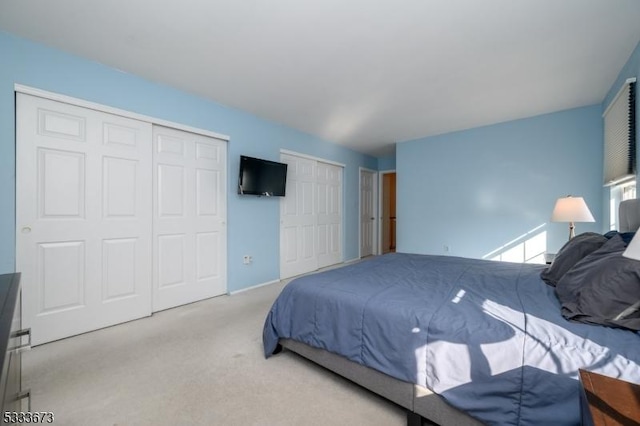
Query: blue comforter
(487, 336)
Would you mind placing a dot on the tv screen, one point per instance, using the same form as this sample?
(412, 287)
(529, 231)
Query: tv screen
(262, 177)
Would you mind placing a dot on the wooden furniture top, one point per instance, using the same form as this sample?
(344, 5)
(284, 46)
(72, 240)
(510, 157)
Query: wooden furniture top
(611, 401)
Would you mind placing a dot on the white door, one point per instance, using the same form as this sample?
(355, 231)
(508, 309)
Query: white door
(298, 218)
(83, 217)
(367, 212)
(329, 208)
(189, 223)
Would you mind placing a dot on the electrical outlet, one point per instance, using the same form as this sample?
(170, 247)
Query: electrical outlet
(246, 259)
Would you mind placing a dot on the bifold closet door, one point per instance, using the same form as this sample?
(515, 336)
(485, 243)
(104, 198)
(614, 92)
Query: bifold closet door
(298, 218)
(310, 216)
(189, 230)
(83, 217)
(329, 209)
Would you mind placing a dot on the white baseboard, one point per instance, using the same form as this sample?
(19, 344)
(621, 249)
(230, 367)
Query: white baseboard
(231, 293)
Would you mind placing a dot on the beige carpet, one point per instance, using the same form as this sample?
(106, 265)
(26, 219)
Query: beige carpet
(199, 364)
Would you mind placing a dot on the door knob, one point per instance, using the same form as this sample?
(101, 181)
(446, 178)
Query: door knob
(26, 229)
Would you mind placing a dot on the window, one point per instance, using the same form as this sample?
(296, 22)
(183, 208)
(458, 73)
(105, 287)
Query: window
(620, 192)
(620, 136)
(620, 149)
(629, 191)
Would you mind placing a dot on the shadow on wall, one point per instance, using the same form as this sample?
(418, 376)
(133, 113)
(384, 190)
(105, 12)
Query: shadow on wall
(529, 247)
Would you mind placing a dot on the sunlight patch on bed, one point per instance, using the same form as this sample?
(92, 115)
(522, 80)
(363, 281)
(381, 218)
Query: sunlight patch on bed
(454, 358)
(557, 354)
(459, 295)
(503, 313)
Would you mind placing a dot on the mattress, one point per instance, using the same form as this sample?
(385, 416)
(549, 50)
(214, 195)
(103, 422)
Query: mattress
(486, 336)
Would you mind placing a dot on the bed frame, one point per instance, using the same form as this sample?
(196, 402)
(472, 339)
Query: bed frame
(423, 406)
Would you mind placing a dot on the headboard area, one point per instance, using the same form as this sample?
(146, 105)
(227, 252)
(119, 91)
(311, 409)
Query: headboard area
(629, 215)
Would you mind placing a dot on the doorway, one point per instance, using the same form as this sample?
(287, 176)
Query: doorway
(388, 212)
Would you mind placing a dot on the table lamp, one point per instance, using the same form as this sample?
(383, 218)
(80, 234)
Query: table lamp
(571, 209)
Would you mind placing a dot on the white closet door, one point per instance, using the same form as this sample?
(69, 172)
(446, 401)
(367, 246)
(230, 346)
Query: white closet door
(298, 218)
(190, 236)
(329, 208)
(367, 215)
(83, 217)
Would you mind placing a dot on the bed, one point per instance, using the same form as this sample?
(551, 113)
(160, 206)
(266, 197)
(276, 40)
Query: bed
(461, 341)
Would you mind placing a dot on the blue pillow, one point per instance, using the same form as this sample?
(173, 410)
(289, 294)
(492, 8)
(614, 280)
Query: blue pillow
(626, 236)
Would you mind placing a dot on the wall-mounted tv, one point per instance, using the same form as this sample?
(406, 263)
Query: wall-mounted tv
(262, 177)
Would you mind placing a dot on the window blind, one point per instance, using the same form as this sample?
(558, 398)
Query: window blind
(620, 136)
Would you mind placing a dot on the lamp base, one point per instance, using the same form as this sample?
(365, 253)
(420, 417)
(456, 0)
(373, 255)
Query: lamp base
(572, 230)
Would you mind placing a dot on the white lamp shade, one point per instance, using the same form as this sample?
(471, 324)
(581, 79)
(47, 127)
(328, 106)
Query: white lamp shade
(633, 249)
(571, 209)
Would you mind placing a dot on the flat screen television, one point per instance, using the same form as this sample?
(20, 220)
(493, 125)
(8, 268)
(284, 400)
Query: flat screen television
(262, 177)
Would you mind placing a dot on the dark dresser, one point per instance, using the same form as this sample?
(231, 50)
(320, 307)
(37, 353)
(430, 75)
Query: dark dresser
(13, 339)
(606, 401)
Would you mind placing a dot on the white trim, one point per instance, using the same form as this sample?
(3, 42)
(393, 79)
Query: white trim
(337, 265)
(116, 111)
(242, 290)
(311, 157)
(375, 203)
(627, 81)
(620, 181)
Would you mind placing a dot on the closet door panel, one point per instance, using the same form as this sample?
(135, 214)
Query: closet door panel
(329, 230)
(189, 217)
(298, 218)
(83, 209)
(310, 216)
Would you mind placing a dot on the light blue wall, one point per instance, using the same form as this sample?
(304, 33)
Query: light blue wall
(630, 69)
(387, 163)
(253, 223)
(477, 190)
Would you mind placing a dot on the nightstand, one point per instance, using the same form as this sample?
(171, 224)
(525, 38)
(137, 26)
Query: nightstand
(606, 401)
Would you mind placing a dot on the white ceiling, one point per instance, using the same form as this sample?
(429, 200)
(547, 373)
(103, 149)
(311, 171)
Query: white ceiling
(362, 73)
